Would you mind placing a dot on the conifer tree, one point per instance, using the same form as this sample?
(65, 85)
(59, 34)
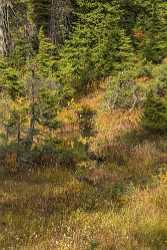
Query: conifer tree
(47, 55)
(155, 46)
(155, 110)
(97, 44)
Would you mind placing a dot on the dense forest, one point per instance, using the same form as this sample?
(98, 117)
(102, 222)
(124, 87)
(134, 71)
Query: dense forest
(83, 124)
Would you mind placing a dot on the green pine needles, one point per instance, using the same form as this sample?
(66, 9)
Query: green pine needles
(155, 109)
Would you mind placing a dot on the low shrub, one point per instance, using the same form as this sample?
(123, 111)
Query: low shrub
(86, 121)
(145, 71)
(115, 152)
(155, 108)
(123, 91)
(141, 165)
(155, 114)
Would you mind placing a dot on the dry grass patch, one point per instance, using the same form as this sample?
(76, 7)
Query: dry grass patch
(141, 224)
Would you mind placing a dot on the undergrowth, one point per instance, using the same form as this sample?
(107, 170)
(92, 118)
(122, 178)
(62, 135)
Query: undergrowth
(106, 191)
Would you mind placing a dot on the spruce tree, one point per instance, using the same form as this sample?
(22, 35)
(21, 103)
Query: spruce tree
(155, 34)
(155, 110)
(47, 55)
(97, 44)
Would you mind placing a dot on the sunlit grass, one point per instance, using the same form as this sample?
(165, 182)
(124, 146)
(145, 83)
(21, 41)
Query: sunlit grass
(50, 209)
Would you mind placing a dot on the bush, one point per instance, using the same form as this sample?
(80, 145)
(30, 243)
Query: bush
(86, 121)
(155, 109)
(145, 71)
(123, 91)
(155, 114)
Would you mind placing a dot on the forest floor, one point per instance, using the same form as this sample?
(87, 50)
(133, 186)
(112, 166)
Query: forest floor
(120, 204)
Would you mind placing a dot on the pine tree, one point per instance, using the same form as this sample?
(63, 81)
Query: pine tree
(155, 110)
(155, 46)
(97, 44)
(47, 55)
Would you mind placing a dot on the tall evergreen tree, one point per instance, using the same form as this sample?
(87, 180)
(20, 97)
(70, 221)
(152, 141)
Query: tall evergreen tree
(155, 32)
(97, 44)
(146, 24)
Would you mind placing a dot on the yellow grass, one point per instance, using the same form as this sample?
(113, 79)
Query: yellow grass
(50, 209)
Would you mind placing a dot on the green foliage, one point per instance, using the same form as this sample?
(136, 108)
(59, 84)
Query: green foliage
(15, 125)
(155, 47)
(145, 23)
(13, 118)
(155, 114)
(10, 81)
(107, 38)
(94, 48)
(33, 99)
(13, 83)
(46, 57)
(39, 13)
(22, 52)
(145, 70)
(48, 107)
(155, 110)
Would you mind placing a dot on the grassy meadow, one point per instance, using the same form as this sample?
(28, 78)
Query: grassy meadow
(122, 205)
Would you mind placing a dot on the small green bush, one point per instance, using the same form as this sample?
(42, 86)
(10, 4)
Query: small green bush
(155, 108)
(145, 71)
(155, 114)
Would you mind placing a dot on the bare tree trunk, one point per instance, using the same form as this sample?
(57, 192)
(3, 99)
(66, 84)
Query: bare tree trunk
(30, 136)
(60, 20)
(18, 139)
(5, 39)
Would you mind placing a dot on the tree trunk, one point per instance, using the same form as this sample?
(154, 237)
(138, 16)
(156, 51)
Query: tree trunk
(31, 130)
(60, 20)
(5, 40)
(18, 139)
(32, 126)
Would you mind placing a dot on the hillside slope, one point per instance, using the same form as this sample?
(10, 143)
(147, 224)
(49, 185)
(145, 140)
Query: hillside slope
(117, 203)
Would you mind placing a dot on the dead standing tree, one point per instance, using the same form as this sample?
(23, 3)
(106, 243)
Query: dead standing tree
(5, 37)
